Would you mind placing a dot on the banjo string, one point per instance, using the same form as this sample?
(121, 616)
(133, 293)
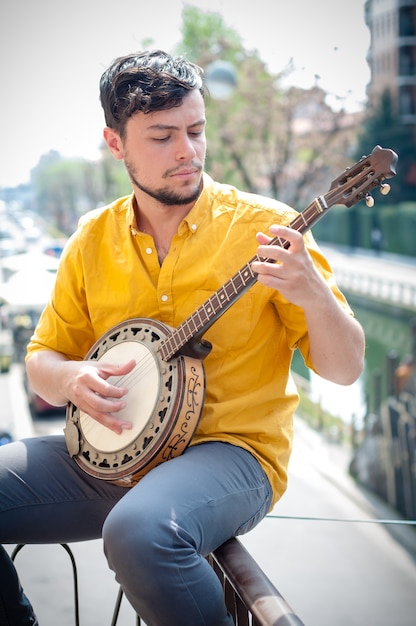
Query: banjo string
(142, 368)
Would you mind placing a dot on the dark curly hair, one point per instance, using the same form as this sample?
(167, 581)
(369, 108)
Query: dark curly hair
(146, 81)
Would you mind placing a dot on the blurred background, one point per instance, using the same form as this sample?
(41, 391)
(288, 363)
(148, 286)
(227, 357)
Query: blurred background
(300, 91)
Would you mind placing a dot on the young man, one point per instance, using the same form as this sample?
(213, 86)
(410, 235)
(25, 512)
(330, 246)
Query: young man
(159, 254)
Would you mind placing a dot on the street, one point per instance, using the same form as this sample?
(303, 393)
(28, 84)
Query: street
(318, 547)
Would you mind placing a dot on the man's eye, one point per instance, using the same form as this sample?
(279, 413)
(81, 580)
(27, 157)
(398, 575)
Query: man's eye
(161, 139)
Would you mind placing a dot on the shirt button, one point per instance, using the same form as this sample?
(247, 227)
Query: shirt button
(164, 298)
(149, 250)
(194, 227)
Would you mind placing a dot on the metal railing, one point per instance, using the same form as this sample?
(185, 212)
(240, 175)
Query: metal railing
(398, 419)
(251, 598)
(395, 292)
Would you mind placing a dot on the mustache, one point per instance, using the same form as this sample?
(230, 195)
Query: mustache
(197, 166)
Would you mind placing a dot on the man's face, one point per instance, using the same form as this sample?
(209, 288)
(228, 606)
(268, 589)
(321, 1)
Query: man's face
(164, 151)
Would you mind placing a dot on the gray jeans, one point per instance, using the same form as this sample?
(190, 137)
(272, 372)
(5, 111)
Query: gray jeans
(155, 534)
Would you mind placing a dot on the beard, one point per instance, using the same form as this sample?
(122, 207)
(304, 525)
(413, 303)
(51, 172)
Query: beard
(165, 195)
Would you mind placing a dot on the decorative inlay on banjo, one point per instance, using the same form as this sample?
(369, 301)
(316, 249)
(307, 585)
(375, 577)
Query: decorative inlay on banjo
(167, 384)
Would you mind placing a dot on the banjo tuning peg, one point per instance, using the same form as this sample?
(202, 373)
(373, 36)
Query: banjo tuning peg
(369, 200)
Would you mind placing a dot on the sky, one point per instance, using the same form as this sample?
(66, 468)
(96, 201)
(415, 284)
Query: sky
(52, 54)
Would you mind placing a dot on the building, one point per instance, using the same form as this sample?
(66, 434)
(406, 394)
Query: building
(392, 54)
(392, 61)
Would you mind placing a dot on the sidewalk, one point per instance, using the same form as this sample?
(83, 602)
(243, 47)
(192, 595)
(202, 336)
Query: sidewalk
(325, 549)
(332, 461)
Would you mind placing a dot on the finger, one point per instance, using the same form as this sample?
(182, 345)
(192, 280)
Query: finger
(112, 422)
(99, 379)
(93, 386)
(267, 273)
(263, 239)
(105, 412)
(286, 234)
(281, 247)
(115, 369)
(279, 238)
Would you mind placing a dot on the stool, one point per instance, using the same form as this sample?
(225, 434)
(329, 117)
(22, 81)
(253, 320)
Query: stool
(65, 546)
(250, 596)
(74, 575)
(117, 609)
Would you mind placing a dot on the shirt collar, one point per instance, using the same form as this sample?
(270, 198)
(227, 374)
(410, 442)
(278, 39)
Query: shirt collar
(193, 220)
(130, 214)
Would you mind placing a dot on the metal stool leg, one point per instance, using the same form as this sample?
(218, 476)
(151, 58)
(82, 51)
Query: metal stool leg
(117, 609)
(74, 574)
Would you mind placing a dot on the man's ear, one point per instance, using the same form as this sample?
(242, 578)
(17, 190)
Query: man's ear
(114, 143)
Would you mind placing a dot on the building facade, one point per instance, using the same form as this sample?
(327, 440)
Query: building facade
(392, 62)
(392, 54)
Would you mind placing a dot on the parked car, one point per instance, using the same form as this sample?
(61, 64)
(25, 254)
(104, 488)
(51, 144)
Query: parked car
(9, 244)
(38, 406)
(5, 437)
(6, 348)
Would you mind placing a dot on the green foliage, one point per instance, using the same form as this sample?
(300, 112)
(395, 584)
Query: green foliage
(397, 224)
(254, 136)
(406, 226)
(67, 188)
(206, 37)
(334, 227)
(383, 126)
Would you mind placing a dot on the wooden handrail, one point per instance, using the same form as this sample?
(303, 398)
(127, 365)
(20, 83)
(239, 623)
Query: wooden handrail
(251, 597)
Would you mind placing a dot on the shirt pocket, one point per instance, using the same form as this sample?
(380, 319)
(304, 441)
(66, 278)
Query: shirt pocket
(232, 330)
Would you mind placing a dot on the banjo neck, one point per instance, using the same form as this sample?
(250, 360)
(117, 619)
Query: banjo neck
(354, 184)
(187, 338)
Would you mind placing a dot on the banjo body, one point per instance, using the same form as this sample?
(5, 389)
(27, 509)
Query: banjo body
(167, 386)
(164, 404)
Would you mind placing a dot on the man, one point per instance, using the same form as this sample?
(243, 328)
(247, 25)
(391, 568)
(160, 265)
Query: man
(159, 254)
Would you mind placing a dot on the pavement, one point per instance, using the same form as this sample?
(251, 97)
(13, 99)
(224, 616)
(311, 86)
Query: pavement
(332, 461)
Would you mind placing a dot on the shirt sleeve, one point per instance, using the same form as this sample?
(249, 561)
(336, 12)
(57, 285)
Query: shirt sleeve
(64, 325)
(293, 316)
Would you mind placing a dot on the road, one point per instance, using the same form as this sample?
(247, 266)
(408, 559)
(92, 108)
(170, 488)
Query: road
(320, 546)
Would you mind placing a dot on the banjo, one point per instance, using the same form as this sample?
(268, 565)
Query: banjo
(167, 385)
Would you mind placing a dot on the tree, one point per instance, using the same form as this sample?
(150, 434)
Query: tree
(264, 139)
(66, 188)
(286, 143)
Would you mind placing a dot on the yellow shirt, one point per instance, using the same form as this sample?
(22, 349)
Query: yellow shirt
(109, 273)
